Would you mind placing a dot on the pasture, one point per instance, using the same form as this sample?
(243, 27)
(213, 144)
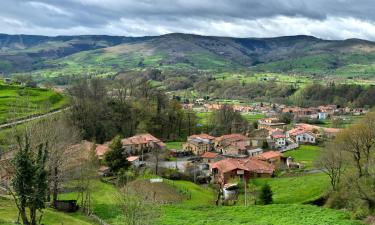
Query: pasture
(19, 102)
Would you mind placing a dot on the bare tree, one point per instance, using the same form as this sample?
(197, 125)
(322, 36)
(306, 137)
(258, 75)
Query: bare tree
(136, 211)
(331, 162)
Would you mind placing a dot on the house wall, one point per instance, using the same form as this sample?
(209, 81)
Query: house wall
(305, 138)
(197, 149)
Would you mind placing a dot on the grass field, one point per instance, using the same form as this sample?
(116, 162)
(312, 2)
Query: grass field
(253, 117)
(278, 214)
(200, 208)
(9, 213)
(18, 102)
(305, 154)
(104, 201)
(174, 145)
(203, 117)
(298, 189)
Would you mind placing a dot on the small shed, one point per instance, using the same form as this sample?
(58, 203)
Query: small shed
(66, 205)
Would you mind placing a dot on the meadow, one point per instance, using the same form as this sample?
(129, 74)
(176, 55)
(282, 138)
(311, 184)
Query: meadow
(9, 213)
(305, 154)
(289, 194)
(19, 102)
(296, 189)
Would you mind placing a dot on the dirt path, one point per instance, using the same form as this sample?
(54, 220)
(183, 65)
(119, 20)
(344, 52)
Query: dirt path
(6, 125)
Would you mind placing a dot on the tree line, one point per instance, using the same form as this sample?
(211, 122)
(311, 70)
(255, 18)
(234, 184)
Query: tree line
(349, 161)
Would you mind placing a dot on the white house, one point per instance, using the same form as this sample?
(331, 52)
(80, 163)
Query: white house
(300, 135)
(322, 115)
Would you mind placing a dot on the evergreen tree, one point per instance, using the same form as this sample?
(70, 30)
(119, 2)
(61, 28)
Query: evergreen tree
(266, 195)
(115, 158)
(30, 180)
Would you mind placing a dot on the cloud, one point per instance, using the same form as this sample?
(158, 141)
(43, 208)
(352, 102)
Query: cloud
(329, 19)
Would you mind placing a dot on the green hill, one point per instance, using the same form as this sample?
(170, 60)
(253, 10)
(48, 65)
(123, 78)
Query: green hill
(19, 102)
(101, 55)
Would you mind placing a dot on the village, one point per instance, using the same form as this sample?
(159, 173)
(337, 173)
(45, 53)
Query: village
(221, 159)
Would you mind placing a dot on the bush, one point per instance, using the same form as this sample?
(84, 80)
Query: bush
(265, 196)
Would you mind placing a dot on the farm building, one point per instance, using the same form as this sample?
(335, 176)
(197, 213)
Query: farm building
(137, 144)
(230, 168)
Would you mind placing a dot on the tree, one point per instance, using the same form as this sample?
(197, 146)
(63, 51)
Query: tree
(30, 180)
(115, 158)
(331, 162)
(135, 209)
(227, 121)
(356, 145)
(266, 194)
(286, 117)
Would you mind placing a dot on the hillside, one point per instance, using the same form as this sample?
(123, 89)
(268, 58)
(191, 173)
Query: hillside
(98, 55)
(20, 102)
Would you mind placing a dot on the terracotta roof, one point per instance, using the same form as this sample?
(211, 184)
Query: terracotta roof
(242, 145)
(298, 131)
(269, 155)
(310, 128)
(132, 158)
(232, 136)
(101, 150)
(202, 136)
(278, 136)
(248, 164)
(142, 139)
(209, 155)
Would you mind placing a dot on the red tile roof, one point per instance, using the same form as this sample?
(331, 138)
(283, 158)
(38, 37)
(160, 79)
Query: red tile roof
(142, 139)
(298, 131)
(209, 155)
(132, 158)
(232, 136)
(269, 155)
(248, 164)
(203, 136)
(101, 150)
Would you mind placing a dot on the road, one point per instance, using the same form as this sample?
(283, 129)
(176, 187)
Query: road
(6, 125)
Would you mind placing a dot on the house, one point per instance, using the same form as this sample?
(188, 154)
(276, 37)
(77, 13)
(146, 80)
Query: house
(322, 115)
(235, 148)
(259, 138)
(301, 135)
(231, 168)
(254, 152)
(273, 157)
(101, 150)
(104, 171)
(141, 143)
(210, 157)
(199, 144)
(319, 131)
(232, 144)
(270, 123)
(134, 160)
(278, 138)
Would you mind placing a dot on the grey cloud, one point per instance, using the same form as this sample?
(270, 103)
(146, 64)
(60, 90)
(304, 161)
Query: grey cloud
(208, 17)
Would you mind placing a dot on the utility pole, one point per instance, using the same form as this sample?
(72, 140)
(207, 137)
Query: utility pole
(244, 181)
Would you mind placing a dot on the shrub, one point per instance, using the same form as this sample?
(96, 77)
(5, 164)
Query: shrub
(265, 196)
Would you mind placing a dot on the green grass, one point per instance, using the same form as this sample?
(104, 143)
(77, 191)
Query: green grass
(305, 154)
(174, 145)
(104, 201)
(200, 209)
(280, 214)
(298, 189)
(253, 117)
(18, 102)
(9, 213)
(203, 117)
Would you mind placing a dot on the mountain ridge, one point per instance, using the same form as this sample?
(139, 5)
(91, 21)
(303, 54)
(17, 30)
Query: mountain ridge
(287, 54)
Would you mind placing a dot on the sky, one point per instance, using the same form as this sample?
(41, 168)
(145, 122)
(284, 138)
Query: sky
(327, 19)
